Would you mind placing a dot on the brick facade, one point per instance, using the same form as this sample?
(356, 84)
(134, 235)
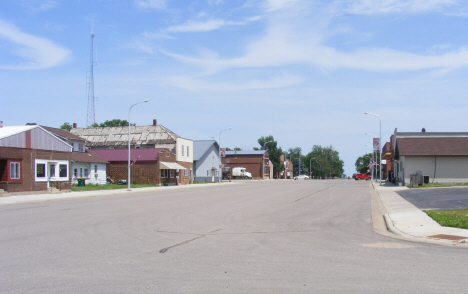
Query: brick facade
(252, 163)
(149, 172)
(27, 168)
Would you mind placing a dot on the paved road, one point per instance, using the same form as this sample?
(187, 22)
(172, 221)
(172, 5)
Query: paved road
(437, 198)
(257, 237)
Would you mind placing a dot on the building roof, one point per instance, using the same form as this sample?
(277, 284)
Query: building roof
(87, 156)
(63, 134)
(432, 146)
(200, 147)
(143, 154)
(118, 136)
(246, 153)
(6, 132)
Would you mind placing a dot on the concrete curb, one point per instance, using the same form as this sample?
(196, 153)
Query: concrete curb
(412, 224)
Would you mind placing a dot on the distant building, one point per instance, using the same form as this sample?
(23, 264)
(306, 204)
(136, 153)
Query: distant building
(253, 161)
(206, 161)
(441, 156)
(142, 137)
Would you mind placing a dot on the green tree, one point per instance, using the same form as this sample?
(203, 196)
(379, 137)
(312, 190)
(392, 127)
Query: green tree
(66, 126)
(324, 162)
(115, 123)
(294, 154)
(362, 163)
(269, 144)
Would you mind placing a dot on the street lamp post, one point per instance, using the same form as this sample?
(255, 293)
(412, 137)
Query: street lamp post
(310, 167)
(375, 155)
(380, 142)
(372, 171)
(219, 154)
(128, 180)
(263, 160)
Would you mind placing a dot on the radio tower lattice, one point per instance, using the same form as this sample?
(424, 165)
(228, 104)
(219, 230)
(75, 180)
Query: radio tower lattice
(91, 116)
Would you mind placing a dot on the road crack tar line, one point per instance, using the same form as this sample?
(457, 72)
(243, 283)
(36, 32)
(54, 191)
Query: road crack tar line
(314, 193)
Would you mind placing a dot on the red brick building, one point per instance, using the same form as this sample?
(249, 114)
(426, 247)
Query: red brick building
(33, 159)
(253, 161)
(148, 165)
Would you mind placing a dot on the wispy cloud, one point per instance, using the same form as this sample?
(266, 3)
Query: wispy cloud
(206, 26)
(35, 52)
(197, 84)
(293, 36)
(151, 4)
(395, 6)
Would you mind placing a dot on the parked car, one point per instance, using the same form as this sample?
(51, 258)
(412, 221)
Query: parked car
(359, 177)
(300, 177)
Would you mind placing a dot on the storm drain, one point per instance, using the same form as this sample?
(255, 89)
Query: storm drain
(448, 237)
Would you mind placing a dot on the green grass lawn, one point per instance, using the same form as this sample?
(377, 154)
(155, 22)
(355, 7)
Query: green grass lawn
(450, 218)
(437, 185)
(108, 187)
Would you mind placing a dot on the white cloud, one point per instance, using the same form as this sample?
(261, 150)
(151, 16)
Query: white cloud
(298, 36)
(48, 5)
(37, 53)
(395, 6)
(151, 4)
(196, 26)
(196, 84)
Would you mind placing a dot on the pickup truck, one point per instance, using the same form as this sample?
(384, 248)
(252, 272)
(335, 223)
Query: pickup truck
(359, 177)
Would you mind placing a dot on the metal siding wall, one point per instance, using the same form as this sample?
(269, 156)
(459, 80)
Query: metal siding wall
(43, 140)
(18, 141)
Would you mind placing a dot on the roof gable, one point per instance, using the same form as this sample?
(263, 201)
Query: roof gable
(201, 147)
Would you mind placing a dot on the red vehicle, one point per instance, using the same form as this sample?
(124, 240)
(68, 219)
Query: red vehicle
(359, 177)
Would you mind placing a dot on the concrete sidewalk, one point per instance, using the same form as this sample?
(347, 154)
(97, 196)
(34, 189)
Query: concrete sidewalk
(71, 195)
(406, 221)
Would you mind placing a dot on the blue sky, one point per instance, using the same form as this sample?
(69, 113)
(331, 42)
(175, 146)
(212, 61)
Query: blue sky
(302, 71)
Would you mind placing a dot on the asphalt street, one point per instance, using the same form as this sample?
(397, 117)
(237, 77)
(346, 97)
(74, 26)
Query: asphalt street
(279, 236)
(437, 198)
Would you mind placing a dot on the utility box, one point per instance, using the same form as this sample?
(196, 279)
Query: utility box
(426, 179)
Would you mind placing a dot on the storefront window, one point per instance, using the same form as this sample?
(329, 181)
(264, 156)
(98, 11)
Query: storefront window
(40, 170)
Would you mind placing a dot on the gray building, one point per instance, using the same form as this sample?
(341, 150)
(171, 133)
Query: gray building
(205, 161)
(441, 156)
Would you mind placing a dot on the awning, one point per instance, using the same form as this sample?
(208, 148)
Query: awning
(170, 165)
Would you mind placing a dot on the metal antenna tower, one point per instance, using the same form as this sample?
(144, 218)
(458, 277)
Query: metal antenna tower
(91, 115)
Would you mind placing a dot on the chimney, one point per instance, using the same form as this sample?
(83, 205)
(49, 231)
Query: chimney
(155, 122)
(74, 125)
(423, 130)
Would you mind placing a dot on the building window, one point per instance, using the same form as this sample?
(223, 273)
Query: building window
(75, 173)
(81, 172)
(172, 174)
(15, 170)
(52, 171)
(182, 150)
(63, 170)
(188, 150)
(185, 172)
(81, 148)
(85, 172)
(164, 173)
(40, 170)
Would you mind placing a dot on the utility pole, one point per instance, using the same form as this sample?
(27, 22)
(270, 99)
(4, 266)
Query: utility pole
(90, 120)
